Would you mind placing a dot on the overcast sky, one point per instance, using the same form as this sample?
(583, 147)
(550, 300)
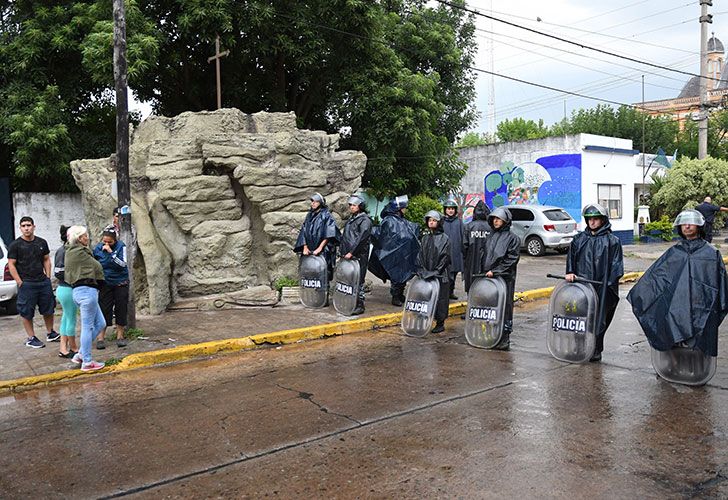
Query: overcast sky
(664, 32)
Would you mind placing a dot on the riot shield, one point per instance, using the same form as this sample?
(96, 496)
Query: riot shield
(682, 365)
(572, 328)
(346, 285)
(313, 279)
(485, 314)
(419, 306)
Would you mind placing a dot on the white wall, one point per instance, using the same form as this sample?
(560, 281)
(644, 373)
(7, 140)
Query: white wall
(49, 211)
(614, 169)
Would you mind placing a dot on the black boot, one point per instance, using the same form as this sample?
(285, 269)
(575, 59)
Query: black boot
(359, 309)
(397, 300)
(505, 342)
(439, 327)
(596, 357)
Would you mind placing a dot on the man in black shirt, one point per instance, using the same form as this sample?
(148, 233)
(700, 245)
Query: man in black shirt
(29, 264)
(709, 210)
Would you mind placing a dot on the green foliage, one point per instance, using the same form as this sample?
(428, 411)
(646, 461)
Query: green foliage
(471, 139)
(663, 227)
(624, 122)
(113, 361)
(418, 206)
(689, 181)
(55, 81)
(395, 73)
(284, 281)
(134, 333)
(519, 129)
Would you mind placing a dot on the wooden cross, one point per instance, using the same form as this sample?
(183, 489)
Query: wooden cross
(218, 55)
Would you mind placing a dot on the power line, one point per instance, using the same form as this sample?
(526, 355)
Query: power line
(612, 11)
(473, 68)
(601, 84)
(574, 54)
(642, 18)
(540, 102)
(606, 35)
(571, 42)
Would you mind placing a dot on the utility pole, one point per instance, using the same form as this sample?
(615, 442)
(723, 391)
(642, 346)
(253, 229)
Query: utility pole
(218, 55)
(705, 19)
(122, 147)
(642, 189)
(491, 66)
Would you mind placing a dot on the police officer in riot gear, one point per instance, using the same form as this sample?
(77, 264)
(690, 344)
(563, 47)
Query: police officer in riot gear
(396, 244)
(683, 297)
(474, 237)
(319, 234)
(355, 242)
(502, 251)
(453, 227)
(433, 261)
(596, 254)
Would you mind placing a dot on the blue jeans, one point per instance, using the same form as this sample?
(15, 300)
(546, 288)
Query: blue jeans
(92, 319)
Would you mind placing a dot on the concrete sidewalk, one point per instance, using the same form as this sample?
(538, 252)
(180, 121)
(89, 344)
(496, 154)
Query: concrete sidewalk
(173, 329)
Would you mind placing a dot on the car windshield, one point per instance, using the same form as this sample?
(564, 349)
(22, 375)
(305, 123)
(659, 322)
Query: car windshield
(557, 215)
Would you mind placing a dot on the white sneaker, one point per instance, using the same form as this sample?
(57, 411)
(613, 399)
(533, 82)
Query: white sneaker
(92, 366)
(77, 359)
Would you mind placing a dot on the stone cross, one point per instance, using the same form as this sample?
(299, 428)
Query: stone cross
(218, 55)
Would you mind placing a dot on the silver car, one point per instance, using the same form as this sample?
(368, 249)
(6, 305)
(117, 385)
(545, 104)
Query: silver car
(540, 227)
(8, 287)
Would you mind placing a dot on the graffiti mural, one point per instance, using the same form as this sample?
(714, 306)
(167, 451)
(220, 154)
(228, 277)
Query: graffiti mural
(550, 180)
(469, 202)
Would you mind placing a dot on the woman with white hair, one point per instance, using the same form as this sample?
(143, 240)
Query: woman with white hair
(86, 276)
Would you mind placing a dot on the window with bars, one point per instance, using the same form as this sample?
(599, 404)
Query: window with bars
(610, 197)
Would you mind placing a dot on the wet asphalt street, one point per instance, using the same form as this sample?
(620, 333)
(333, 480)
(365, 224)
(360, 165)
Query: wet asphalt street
(377, 415)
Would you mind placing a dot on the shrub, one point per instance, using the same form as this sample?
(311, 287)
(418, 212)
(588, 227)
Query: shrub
(418, 206)
(279, 283)
(661, 228)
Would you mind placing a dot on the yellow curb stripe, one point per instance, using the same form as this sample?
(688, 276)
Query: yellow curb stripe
(204, 349)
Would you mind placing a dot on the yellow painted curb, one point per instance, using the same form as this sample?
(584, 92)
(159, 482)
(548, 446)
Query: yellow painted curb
(145, 359)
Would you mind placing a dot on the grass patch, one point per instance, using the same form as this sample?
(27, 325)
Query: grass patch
(134, 333)
(279, 283)
(113, 361)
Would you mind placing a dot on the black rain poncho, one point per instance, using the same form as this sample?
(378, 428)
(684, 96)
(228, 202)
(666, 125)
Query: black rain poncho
(683, 297)
(501, 256)
(355, 240)
(318, 226)
(433, 261)
(396, 244)
(598, 257)
(474, 236)
(453, 228)
(502, 248)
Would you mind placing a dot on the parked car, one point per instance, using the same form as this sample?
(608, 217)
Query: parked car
(541, 227)
(8, 287)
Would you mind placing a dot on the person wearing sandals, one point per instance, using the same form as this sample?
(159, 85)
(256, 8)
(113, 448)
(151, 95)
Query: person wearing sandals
(114, 295)
(86, 276)
(64, 296)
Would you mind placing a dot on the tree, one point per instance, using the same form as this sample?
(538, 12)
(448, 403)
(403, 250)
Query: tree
(54, 99)
(687, 141)
(519, 129)
(471, 139)
(624, 122)
(394, 72)
(689, 181)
